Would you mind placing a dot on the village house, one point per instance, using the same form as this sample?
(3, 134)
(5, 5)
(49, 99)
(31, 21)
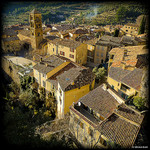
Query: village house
(73, 50)
(10, 41)
(130, 29)
(74, 33)
(103, 46)
(127, 55)
(91, 46)
(101, 119)
(64, 80)
(126, 69)
(16, 28)
(125, 82)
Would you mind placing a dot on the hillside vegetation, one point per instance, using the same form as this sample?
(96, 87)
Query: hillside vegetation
(101, 13)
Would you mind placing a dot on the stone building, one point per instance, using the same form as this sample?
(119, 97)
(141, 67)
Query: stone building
(36, 31)
(101, 119)
(64, 80)
(10, 41)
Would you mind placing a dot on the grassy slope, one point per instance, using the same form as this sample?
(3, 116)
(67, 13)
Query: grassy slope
(15, 13)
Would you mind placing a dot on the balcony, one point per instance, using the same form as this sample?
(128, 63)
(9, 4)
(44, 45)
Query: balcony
(124, 88)
(86, 115)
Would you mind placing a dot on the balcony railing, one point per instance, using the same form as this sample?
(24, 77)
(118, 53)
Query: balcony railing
(84, 114)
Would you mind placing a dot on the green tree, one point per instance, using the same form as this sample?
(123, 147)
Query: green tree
(139, 102)
(142, 26)
(116, 32)
(28, 98)
(99, 72)
(121, 13)
(94, 70)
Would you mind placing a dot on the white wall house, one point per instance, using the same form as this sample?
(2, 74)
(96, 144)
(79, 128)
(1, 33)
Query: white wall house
(60, 102)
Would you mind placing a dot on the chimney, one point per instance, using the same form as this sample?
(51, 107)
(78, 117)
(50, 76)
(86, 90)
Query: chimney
(105, 87)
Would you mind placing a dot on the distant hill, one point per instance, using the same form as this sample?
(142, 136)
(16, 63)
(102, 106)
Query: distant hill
(92, 13)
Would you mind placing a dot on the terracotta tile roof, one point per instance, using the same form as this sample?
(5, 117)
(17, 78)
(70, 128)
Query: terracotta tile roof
(16, 28)
(9, 32)
(117, 73)
(129, 113)
(64, 27)
(132, 63)
(66, 68)
(78, 75)
(91, 41)
(80, 31)
(133, 79)
(130, 78)
(14, 38)
(121, 124)
(48, 64)
(51, 37)
(66, 42)
(132, 52)
(25, 32)
(118, 130)
(109, 40)
(128, 40)
(100, 101)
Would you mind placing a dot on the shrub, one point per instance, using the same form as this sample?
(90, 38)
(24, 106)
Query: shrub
(139, 102)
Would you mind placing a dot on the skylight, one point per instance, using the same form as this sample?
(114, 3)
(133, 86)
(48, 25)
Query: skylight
(67, 79)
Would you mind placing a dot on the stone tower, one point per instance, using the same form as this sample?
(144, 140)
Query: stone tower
(36, 32)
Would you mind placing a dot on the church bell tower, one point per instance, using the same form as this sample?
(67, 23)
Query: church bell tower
(36, 31)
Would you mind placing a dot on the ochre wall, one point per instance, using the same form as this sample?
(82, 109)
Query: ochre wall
(74, 95)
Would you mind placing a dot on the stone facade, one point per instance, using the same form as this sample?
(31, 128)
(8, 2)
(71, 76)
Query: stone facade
(36, 29)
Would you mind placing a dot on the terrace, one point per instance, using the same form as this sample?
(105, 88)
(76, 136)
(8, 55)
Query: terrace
(86, 114)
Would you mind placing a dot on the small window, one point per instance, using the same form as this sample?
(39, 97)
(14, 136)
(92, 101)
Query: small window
(62, 53)
(71, 56)
(71, 49)
(53, 49)
(101, 54)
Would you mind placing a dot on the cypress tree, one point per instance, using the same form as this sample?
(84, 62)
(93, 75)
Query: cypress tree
(142, 26)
